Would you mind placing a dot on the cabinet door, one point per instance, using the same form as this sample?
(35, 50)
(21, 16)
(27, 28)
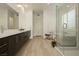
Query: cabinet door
(28, 34)
(12, 45)
(4, 50)
(4, 46)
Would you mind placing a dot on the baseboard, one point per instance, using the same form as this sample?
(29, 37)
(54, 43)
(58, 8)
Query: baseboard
(59, 51)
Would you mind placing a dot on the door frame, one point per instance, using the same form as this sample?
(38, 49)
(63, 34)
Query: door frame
(33, 24)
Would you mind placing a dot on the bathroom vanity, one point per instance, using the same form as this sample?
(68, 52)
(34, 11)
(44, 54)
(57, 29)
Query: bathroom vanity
(11, 42)
(11, 37)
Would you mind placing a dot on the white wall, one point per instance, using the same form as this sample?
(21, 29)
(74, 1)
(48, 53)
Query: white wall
(25, 17)
(4, 14)
(3, 17)
(49, 20)
(25, 20)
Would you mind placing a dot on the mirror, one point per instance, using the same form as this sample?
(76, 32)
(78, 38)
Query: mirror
(8, 18)
(10, 22)
(0, 20)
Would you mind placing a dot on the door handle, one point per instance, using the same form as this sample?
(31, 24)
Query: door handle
(65, 25)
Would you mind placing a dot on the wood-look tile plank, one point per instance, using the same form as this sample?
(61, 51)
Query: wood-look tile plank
(38, 47)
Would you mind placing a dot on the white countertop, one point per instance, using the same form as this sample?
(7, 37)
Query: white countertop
(10, 32)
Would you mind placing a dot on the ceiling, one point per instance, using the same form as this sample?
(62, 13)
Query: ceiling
(34, 6)
(30, 5)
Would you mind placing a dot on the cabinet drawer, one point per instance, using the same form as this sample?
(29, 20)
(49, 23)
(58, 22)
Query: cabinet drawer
(4, 54)
(3, 48)
(22, 35)
(3, 41)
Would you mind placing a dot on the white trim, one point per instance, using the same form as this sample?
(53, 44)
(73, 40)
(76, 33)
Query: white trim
(59, 51)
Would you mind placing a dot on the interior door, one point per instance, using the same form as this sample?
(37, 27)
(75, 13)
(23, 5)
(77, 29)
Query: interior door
(38, 23)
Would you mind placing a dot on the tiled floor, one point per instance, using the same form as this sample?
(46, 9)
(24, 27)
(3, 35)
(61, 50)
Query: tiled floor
(38, 47)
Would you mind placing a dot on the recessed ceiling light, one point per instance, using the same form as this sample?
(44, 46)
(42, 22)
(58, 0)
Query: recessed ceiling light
(19, 6)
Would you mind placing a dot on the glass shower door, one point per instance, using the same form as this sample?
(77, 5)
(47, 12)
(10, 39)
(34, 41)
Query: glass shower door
(59, 29)
(66, 30)
(69, 31)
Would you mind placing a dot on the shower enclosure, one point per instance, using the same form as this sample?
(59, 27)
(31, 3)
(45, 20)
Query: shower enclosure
(67, 29)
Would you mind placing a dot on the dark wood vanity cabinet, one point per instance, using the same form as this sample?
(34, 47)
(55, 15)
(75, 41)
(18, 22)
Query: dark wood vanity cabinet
(10, 45)
(4, 46)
